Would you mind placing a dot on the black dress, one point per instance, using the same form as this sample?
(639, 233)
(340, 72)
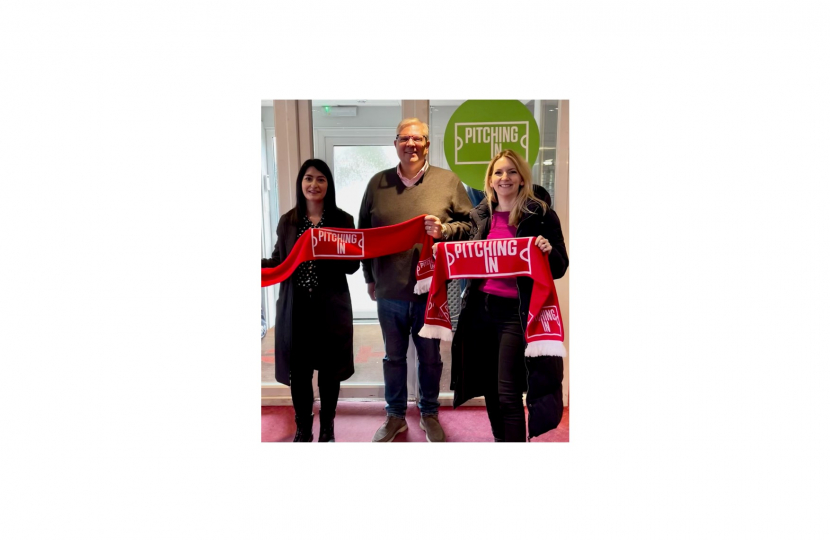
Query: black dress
(309, 305)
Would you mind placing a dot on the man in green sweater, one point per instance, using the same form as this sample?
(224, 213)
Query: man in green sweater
(412, 188)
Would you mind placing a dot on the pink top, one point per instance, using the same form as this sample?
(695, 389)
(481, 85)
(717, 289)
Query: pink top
(500, 228)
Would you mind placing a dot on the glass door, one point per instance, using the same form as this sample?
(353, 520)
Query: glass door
(353, 165)
(356, 148)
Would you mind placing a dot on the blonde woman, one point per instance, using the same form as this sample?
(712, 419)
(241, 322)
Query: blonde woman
(488, 348)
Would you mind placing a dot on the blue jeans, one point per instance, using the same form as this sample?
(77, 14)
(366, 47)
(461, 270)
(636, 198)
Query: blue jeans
(397, 319)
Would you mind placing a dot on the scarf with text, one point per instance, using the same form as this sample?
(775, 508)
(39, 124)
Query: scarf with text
(483, 259)
(331, 243)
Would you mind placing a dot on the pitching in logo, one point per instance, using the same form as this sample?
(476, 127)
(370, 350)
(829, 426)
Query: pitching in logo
(550, 321)
(477, 142)
(346, 244)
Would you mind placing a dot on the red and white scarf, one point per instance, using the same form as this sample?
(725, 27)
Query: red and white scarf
(483, 259)
(331, 243)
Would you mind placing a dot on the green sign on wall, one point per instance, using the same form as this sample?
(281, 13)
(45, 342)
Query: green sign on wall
(480, 129)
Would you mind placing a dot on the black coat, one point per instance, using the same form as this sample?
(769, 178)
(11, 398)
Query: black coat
(544, 373)
(335, 323)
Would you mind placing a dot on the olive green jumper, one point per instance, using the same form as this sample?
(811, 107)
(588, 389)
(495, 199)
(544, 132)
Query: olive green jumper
(388, 201)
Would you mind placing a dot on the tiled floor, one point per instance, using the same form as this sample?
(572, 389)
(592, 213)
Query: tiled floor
(357, 421)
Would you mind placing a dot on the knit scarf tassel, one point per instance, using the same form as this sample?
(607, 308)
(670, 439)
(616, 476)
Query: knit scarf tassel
(336, 244)
(483, 259)
(546, 348)
(436, 331)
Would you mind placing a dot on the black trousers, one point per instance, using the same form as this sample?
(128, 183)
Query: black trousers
(306, 357)
(506, 367)
(302, 392)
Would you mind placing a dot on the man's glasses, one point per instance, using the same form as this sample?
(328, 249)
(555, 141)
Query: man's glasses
(405, 139)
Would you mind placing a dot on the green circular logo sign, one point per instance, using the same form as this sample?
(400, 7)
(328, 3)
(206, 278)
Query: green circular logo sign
(480, 129)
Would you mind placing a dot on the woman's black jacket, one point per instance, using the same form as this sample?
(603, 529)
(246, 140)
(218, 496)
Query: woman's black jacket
(335, 323)
(544, 373)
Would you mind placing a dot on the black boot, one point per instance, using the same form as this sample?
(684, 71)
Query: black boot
(304, 433)
(326, 427)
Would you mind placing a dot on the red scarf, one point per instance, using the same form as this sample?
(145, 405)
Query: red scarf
(482, 259)
(330, 243)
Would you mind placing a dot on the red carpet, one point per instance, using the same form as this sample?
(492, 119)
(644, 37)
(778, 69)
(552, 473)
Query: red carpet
(357, 421)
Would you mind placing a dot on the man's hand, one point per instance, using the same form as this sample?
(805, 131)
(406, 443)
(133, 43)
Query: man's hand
(372, 292)
(433, 227)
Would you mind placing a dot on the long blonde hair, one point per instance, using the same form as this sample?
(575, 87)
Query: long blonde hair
(525, 195)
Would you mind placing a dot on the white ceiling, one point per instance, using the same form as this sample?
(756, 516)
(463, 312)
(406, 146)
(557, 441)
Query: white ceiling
(347, 102)
(356, 102)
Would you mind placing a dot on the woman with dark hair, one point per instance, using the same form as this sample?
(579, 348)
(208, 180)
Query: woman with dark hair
(314, 310)
(488, 349)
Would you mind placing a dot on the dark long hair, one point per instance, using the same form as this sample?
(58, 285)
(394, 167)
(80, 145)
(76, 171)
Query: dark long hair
(329, 202)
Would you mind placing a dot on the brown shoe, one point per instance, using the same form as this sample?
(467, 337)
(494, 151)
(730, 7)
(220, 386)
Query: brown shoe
(389, 429)
(433, 429)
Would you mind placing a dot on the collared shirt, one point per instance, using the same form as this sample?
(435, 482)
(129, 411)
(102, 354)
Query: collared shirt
(409, 182)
